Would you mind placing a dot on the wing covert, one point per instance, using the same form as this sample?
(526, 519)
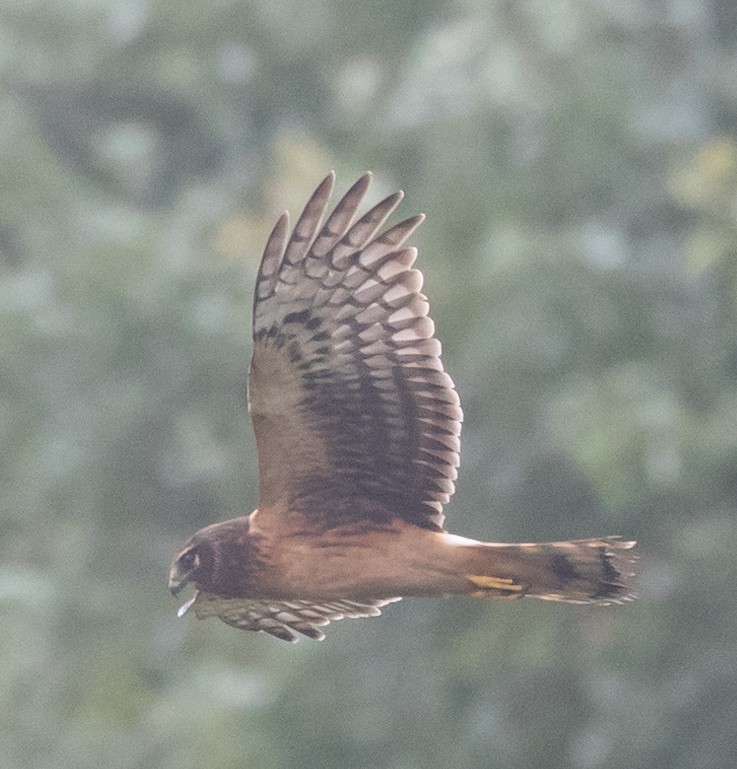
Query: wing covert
(354, 415)
(283, 619)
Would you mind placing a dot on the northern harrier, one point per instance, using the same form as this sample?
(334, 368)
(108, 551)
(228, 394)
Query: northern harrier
(358, 432)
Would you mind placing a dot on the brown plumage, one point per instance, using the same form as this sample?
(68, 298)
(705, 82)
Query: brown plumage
(358, 434)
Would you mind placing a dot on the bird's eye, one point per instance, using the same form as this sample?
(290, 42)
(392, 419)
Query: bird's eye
(189, 560)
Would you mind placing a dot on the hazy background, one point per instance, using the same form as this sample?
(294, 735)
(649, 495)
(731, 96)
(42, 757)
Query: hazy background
(577, 162)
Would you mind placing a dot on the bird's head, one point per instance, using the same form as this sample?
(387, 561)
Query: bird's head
(214, 560)
(192, 565)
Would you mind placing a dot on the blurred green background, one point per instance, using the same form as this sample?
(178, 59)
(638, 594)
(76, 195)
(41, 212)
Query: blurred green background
(578, 165)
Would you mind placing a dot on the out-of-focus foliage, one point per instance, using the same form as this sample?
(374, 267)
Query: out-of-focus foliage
(578, 166)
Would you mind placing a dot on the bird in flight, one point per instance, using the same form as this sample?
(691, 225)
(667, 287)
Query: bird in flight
(357, 428)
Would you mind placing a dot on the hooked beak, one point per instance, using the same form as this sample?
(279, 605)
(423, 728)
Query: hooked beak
(177, 580)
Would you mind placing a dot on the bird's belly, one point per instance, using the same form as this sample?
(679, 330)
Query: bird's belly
(378, 565)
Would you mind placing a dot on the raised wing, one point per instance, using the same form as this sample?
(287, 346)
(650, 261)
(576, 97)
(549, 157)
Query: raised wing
(355, 418)
(282, 618)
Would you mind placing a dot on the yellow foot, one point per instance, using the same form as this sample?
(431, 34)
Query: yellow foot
(508, 588)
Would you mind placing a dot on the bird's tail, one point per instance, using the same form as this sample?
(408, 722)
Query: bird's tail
(576, 571)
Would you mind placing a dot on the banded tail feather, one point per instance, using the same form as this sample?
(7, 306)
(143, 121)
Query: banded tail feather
(575, 571)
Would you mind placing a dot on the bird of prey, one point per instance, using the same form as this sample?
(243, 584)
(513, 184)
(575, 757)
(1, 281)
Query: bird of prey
(357, 428)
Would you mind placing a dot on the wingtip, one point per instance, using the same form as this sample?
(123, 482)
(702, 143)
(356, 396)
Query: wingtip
(362, 183)
(278, 231)
(325, 188)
